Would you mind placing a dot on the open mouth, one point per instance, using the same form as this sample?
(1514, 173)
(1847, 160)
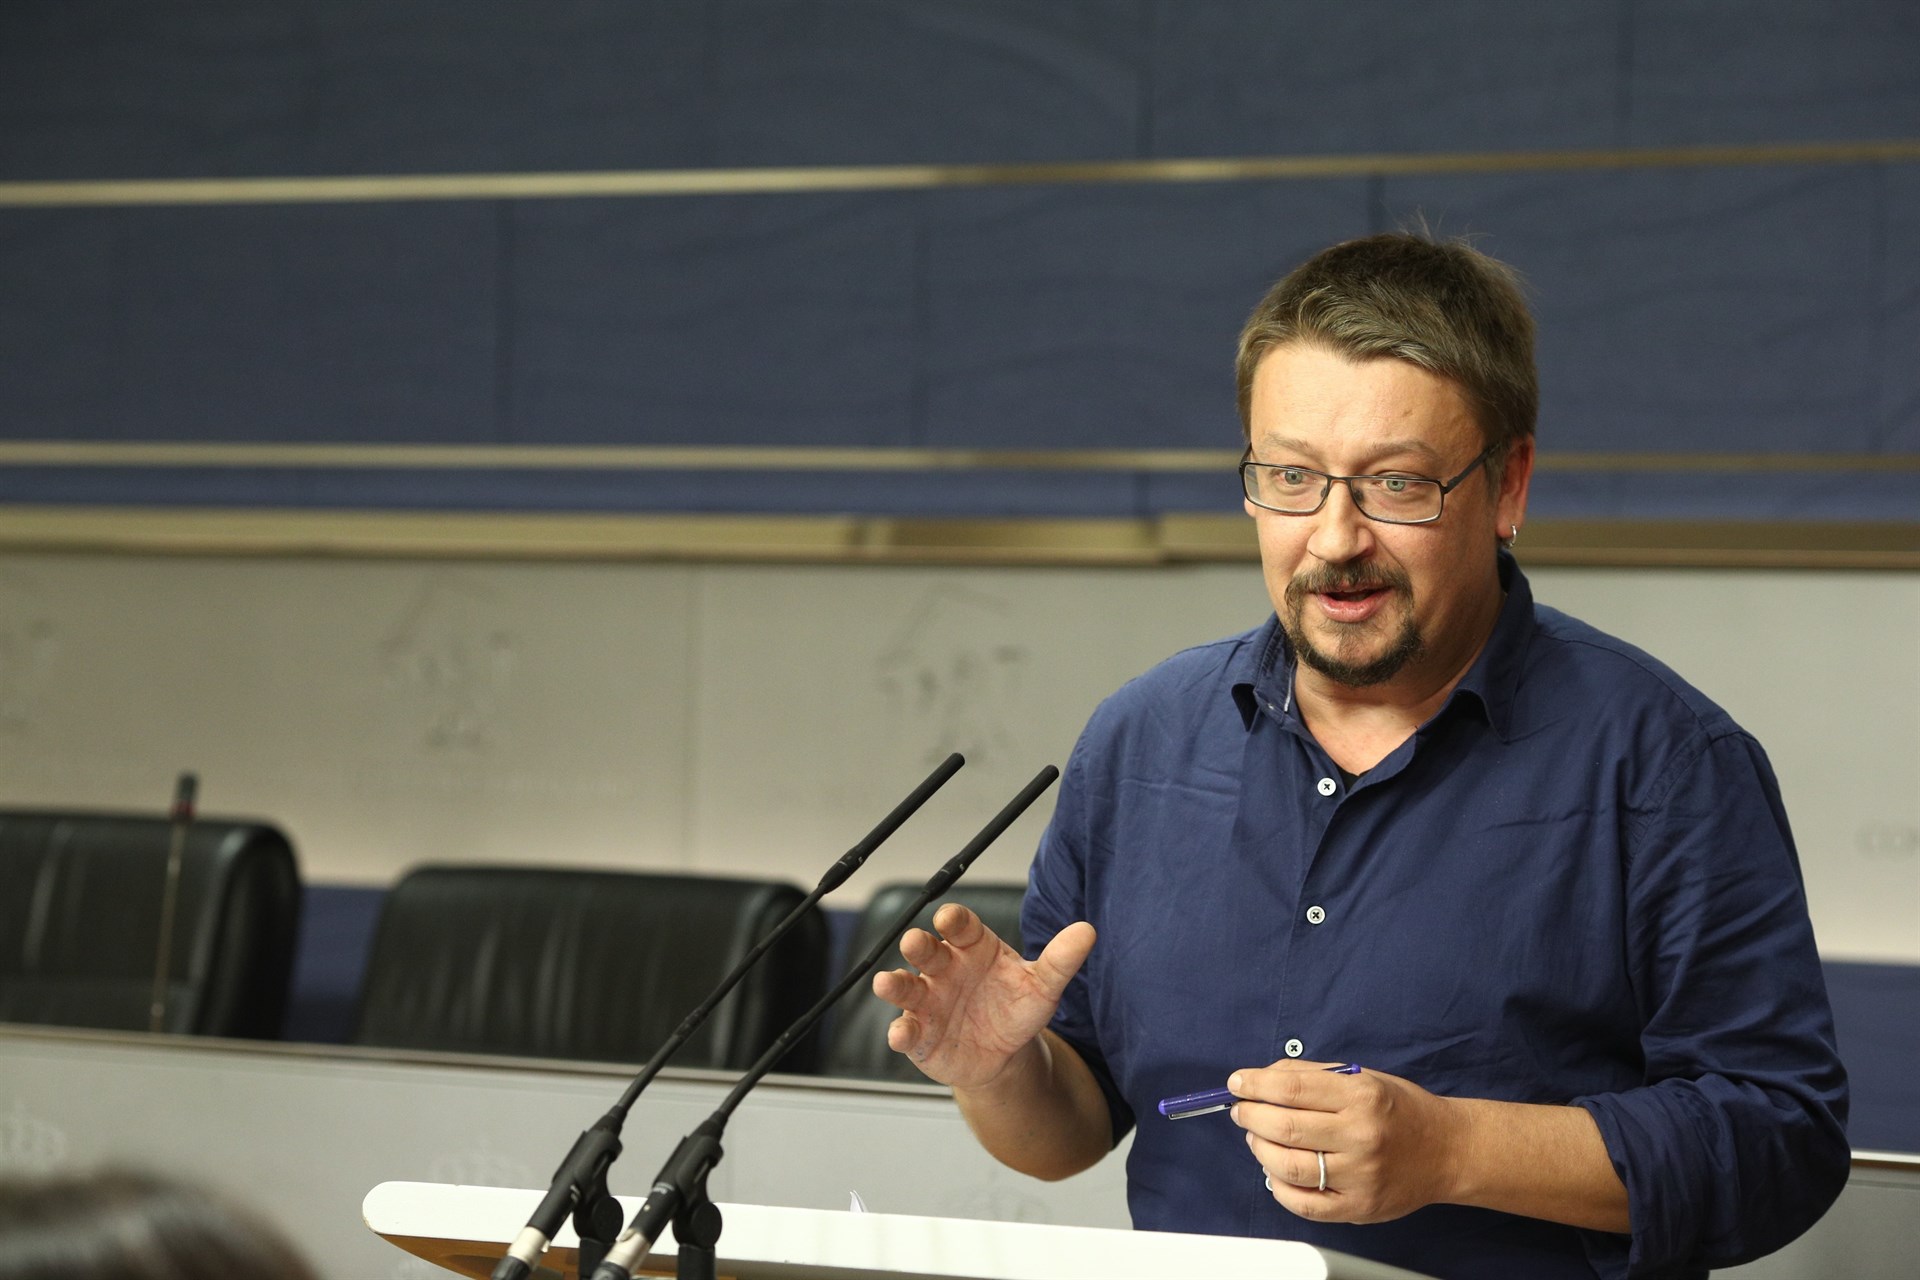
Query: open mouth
(1352, 606)
(1348, 599)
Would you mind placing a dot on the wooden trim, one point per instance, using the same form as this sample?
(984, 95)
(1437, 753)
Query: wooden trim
(306, 456)
(1168, 539)
(298, 456)
(378, 188)
(1887, 1162)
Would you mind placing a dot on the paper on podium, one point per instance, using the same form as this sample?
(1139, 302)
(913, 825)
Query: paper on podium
(466, 1229)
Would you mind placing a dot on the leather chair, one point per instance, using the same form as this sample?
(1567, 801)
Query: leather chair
(80, 903)
(595, 965)
(857, 1044)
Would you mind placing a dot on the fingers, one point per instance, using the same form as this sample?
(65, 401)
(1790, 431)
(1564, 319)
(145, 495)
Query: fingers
(1322, 1186)
(1063, 957)
(958, 928)
(1298, 1106)
(1306, 1184)
(909, 1035)
(1292, 1126)
(1385, 1143)
(961, 929)
(960, 925)
(1296, 1082)
(1295, 1116)
(903, 1033)
(901, 988)
(957, 964)
(917, 947)
(1297, 1168)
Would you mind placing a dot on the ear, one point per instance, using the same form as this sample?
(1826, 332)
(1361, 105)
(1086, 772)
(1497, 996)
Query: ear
(1510, 504)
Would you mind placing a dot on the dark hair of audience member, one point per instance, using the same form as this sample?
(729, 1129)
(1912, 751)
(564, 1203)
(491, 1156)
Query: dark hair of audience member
(134, 1226)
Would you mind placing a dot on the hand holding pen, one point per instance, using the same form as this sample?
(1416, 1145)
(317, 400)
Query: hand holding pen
(1183, 1106)
(1336, 1143)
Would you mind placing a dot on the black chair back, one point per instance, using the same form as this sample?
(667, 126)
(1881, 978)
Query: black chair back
(80, 904)
(857, 1044)
(594, 965)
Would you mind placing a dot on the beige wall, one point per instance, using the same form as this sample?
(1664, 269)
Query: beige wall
(757, 720)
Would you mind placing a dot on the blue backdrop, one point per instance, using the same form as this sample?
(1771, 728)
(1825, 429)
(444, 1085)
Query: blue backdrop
(1741, 305)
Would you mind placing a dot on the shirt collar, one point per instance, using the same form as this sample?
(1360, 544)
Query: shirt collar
(1254, 668)
(1264, 667)
(1495, 675)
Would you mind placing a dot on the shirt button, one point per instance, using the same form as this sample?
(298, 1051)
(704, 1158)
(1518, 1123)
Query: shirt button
(1295, 1048)
(1316, 914)
(1326, 786)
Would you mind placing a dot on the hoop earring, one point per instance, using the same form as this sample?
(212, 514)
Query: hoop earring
(1511, 538)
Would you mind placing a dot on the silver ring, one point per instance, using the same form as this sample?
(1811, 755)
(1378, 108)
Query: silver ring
(1321, 1156)
(1268, 1179)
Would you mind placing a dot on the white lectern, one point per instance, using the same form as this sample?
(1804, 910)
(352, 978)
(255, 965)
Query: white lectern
(466, 1229)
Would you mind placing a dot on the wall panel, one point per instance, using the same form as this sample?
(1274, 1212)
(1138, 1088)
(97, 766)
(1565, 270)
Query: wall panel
(758, 719)
(1740, 300)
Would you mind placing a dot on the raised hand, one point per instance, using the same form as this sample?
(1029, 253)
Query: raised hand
(975, 1003)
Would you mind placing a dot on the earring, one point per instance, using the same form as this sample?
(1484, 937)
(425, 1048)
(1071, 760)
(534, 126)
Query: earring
(1511, 538)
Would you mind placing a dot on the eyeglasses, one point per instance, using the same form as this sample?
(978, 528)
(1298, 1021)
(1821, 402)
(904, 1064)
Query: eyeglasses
(1390, 499)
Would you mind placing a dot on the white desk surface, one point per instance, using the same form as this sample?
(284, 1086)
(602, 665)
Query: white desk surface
(466, 1229)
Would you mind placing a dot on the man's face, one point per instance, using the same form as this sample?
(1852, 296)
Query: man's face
(1367, 603)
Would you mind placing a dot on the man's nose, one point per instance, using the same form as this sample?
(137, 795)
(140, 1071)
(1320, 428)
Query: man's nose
(1340, 531)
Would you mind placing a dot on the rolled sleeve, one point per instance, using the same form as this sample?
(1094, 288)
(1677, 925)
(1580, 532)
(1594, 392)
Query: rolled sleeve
(1737, 1142)
(1057, 897)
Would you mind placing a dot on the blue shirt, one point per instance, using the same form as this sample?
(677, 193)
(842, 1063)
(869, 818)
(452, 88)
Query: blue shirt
(1574, 884)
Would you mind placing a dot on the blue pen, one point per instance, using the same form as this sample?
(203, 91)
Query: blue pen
(1181, 1106)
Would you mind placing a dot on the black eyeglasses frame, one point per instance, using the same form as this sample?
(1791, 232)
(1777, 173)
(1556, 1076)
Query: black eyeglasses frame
(1446, 487)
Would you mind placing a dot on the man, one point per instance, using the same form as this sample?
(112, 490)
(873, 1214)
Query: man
(1540, 890)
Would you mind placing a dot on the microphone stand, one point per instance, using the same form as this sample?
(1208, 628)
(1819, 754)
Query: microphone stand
(580, 1183)
(679, 1193)
(181, 817)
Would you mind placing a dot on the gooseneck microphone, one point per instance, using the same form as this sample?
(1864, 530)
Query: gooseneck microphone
(185, 788)
(579, 1185)
(679, 1193)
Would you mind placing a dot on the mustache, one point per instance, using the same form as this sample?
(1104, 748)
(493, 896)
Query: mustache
(1332, 578)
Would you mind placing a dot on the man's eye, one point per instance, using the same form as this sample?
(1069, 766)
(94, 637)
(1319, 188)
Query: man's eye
(1393, 484)
(1292, 475)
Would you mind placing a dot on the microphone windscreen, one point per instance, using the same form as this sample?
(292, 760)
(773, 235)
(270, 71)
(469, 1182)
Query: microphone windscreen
(185, 790)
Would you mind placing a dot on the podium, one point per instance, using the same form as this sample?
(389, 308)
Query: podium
(466, 1229)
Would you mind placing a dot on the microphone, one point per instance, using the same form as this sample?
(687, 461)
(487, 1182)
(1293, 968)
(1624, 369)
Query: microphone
(679, 1193)
(579, 1185)
(185, 788)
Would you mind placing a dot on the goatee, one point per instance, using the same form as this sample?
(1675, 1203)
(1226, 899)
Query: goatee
(1353, 673)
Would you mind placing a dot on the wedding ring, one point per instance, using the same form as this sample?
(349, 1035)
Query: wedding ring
(1322, 1157)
